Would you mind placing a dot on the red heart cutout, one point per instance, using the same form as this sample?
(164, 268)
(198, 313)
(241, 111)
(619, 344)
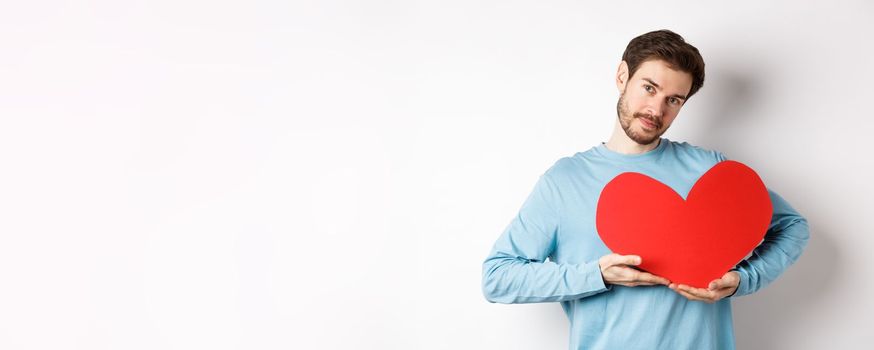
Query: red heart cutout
(692, 241)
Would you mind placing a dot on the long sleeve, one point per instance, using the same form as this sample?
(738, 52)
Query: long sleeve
(517, 270)
(786, 238)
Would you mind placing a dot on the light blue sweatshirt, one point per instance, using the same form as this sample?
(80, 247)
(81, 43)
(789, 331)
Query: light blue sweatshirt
(557, 221)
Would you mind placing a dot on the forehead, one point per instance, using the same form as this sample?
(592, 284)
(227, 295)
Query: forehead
(669, 79)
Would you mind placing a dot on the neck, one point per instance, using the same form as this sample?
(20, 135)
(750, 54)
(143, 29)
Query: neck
(620, 142)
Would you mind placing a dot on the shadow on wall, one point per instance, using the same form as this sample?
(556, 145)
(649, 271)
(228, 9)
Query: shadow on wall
(763, 320)
(730, 112)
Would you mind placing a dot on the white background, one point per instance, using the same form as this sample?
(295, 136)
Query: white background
(324, 174)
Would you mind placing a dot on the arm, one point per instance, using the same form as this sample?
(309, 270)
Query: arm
(516, 270)
(786, 237)
(785, 240)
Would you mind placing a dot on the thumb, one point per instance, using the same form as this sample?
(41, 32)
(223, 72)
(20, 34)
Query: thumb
(627, 260)
(726, 281)
(715, 284)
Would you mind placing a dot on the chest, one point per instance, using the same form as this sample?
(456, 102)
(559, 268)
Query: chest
(577, 240)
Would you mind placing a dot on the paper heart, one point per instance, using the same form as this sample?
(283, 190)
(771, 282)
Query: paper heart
(691, 241)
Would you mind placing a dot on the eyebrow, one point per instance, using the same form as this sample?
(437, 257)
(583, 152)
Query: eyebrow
(659, 87)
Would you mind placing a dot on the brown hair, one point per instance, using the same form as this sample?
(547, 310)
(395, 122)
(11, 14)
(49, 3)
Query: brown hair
(667, 46)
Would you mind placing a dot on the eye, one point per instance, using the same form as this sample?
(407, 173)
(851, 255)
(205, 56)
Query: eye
(674, 101)
(649, 88)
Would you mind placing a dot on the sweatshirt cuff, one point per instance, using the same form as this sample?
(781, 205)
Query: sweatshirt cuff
(595, 281)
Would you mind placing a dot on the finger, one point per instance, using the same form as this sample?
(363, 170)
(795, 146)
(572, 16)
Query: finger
(650, 278)
(722, 293)
(617, 259)
(727, 280)
(623, 273)
(617, 275)
(626, 284)
(701, 293)
(688, 288)
(629, 277)
(708, 295)
(716, 284)
(687, 295)
(636, 284)
(695, 297)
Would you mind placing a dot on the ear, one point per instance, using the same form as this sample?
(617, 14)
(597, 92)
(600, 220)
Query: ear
(622, 76)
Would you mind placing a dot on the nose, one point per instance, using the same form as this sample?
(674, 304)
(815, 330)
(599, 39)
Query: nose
(655, 107)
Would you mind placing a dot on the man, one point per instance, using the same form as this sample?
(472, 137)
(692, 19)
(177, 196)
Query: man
(611, 304)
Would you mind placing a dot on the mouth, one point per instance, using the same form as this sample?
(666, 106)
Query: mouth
(648, 124)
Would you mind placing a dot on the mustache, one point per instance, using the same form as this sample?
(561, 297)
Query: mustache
(657, 122)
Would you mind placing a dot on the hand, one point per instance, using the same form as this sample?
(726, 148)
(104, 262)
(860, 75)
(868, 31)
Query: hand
(615, 270)
(718, 288)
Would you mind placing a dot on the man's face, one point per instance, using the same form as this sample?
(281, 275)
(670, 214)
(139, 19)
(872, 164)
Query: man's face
(650, 100)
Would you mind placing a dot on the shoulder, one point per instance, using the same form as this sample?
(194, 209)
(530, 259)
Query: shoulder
(696, 153)
(568, 169)
(566, 166)
(561, 166)
(561, 169)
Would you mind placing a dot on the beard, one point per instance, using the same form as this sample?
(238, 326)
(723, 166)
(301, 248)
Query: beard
(640, 135)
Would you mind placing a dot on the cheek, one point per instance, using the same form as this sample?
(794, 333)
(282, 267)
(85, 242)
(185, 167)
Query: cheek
(633, 104)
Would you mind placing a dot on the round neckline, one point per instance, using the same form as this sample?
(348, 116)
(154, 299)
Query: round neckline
(605, 152)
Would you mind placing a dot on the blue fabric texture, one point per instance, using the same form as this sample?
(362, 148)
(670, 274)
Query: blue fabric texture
(549, 253)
